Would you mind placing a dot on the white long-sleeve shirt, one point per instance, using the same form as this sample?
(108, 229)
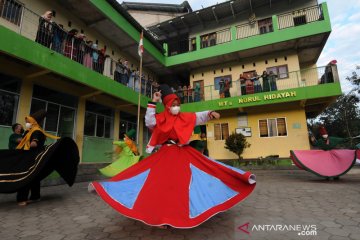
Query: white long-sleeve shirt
(150, 120)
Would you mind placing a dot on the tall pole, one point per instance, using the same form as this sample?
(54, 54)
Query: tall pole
(138, 112)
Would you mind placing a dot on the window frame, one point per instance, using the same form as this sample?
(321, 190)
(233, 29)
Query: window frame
(277, 128)
(58, 116)
(18, 20)
(277, 71)
(222, 135)
(112, 121)
(16, 109)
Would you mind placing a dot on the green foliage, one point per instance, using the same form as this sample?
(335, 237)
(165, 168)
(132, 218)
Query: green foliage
(342, 118)
(237, 143)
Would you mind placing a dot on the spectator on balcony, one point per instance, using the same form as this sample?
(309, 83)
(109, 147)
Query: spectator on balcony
(257, 84)
(58, 37)
(272, 80)
(249, 85)
(132, 79)
(118, 71)
(101, 61)
(266, 83)
(328, 76)
(180, 94)
(197, 92)
(87, 61)
(143, 84)
(242, 84)
(108, 67)
(190, 93)
(221, 88)
(79, 46)
(137, 81)
(227, 86)
(69, 49)
(44, 33)
(185, 92)
(95, 56)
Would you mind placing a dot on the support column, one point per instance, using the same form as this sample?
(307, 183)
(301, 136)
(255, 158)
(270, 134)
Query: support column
(80, 123)
(24, 101)
(116, 124)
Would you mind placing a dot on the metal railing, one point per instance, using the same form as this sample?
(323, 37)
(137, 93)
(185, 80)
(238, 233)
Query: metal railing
(300, 17)
(71, 44)
(258, 84)
(249, 30)
(215, 38)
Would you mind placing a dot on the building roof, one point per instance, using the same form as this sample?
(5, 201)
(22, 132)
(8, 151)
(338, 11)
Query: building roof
(184, 7)
(213, 14)
(117, 6)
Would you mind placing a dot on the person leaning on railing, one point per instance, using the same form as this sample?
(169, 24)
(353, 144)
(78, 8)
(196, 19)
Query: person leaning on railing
(44, 33)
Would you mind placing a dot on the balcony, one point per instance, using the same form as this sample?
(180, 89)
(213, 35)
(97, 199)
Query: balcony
(286, 31)
(71, 44)
(253, 90)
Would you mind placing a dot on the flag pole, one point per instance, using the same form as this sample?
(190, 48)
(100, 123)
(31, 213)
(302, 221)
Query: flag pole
(139, 94)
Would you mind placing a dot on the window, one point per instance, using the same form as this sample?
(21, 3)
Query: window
(272, 127)
(299, 20)
(99, 121)
(221, 131)
(8, 107)
(265, 25)
(11, 10)
(9, 99)
(60, 119)
(280, 71)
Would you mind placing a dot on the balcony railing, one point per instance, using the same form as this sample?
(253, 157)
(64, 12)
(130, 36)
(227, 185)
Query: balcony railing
(258, 27)
(71, 44)
(300, 17)
(253, 84)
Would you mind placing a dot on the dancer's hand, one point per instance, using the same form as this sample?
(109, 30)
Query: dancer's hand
(214, 115)
(157, 96)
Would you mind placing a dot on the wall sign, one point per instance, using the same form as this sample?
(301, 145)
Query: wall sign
(246, 131)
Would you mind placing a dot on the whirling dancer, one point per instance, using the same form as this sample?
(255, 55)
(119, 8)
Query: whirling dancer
(328, 161)
(128, 155)
(177, 185)
(22, 169)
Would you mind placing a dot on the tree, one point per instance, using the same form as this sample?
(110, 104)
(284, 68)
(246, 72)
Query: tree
(342, 118)
(236, 143)
(355, 79)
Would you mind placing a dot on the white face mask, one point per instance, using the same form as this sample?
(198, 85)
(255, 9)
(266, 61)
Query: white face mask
(325, 136)
(175, 110)
(28, 125)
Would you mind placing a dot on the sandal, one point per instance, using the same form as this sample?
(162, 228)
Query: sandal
(22, 204)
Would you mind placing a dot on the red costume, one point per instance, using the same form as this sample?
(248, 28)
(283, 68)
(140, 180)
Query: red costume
(176, 186)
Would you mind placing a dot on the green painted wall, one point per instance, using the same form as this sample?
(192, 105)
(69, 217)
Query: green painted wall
(30, 51)
(5, 133)
(96, 150)
(312, 92)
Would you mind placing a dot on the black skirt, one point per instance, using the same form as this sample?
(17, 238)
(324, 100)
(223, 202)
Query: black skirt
(19, 168)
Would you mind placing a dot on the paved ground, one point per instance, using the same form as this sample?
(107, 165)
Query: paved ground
(282, 199)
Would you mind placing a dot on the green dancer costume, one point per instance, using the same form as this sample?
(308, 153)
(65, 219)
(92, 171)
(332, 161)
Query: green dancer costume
(128, 156)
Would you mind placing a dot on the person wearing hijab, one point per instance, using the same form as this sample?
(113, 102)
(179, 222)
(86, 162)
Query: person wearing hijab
(176, 186)
(22, 169)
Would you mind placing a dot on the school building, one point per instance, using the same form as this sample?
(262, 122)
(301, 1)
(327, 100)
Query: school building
(82, 66)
